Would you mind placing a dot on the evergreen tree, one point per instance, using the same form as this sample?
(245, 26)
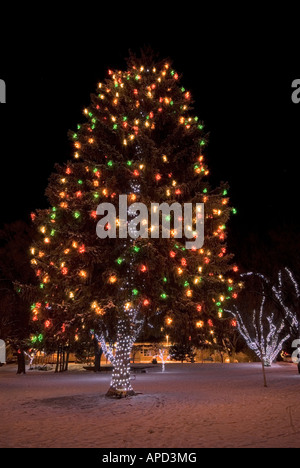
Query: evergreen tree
(15, 323)
(182, 352)
(140, 139)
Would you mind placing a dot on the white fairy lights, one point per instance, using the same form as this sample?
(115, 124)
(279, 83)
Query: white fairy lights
(265, 335)
(279, 292)
(266, 342)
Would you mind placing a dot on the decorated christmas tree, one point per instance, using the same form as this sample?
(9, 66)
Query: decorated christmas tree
(140, 141)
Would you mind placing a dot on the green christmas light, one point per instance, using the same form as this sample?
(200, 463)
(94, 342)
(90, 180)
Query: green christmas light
(80, 182)
(76, 214)
(110, 163)
(119, 260)
(135, 292)
(163, 296)
(136, 248)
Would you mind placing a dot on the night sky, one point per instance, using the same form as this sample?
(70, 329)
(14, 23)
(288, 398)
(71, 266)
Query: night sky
(241, 84)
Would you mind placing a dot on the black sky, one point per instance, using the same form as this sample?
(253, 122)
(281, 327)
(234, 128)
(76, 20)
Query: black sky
(241, 84)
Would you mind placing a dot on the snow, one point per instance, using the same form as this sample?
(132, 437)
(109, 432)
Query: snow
(187, 406)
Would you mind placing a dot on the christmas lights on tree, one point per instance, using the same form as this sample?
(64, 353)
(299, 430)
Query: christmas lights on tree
(140, 140)
(285, 292)
(272, 323)
(262, 334)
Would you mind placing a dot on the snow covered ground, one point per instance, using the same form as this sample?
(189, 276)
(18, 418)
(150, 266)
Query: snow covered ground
(188, 406)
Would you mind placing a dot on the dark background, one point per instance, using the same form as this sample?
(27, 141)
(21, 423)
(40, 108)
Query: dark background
(239, 74)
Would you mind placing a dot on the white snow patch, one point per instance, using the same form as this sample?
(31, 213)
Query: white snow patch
(188, 406)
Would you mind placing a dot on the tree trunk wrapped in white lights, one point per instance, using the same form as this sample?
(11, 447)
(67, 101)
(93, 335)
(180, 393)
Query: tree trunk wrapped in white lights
(266, 331)
(266, 342)
(120, 382)
(281, 294)
(128, 328)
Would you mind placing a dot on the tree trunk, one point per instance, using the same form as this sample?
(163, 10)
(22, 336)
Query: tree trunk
(57, 359)
(97, 353)
(21, 361)
(263, 368)
(62, 362)
(120, 386)
(67, 359)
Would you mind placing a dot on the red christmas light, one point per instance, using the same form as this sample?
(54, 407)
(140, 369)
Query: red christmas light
(81, 249)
